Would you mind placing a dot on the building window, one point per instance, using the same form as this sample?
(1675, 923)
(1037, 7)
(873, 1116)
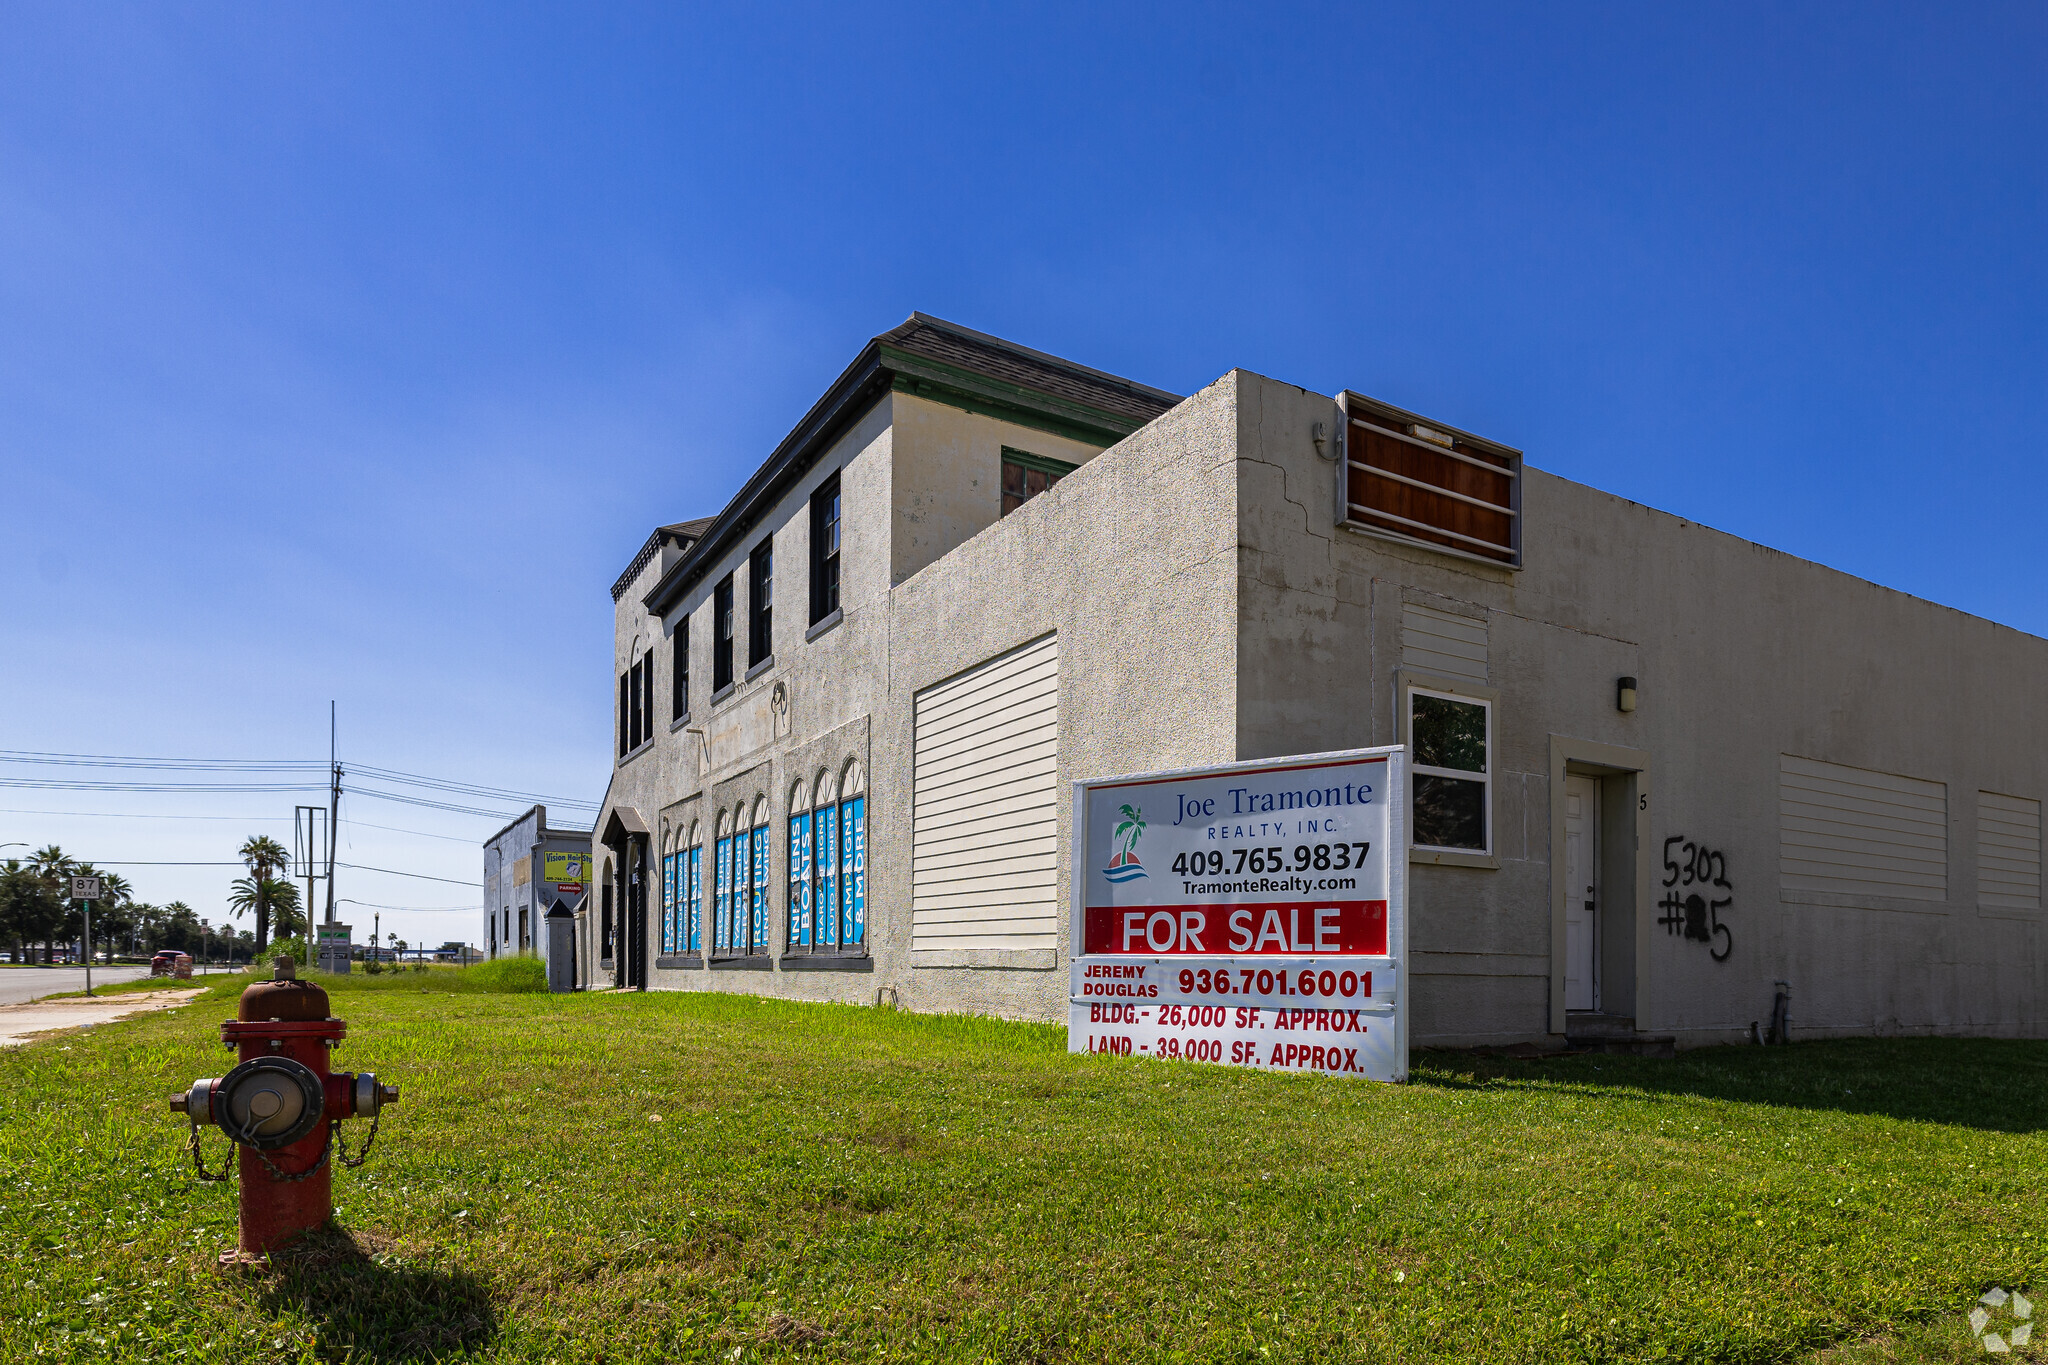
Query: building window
(800, 904)
(825, 550)
(625, 715)
(634, 735)
(693, 892)
(679, 677)
(761, 603)
(668, 902)
(721, 892)
(721, 635)
(1025, 476)
(757, 917)
(1451, 739)
(1415, 482)
(828, 867)
(740, 919)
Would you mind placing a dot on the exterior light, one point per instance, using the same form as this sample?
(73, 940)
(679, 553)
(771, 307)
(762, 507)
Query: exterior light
(1625, 695)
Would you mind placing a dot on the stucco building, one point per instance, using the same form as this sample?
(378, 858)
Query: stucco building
(531, 868)
(1664, 777)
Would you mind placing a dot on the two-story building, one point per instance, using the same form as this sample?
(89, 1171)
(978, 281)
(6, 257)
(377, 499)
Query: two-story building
(1665, 780)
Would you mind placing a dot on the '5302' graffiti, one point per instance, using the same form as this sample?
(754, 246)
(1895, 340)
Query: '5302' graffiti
(1693, 914)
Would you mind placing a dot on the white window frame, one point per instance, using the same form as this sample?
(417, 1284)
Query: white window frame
(1449, 690)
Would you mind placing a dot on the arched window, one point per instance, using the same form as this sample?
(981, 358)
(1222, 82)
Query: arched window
(693, 891)
(668, 890)
(757, 903)
(721, 890)
(799, 867)
(828, 896)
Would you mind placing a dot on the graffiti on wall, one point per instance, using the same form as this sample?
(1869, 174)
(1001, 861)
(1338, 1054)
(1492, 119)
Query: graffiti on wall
(1696, 912)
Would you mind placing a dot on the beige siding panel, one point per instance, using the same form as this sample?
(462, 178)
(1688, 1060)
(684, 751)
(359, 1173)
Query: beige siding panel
(984, 848)
(1858, 832)
(2008, 852)
(1437, 642)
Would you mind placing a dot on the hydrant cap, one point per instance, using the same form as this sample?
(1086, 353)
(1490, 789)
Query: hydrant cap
(285, 998)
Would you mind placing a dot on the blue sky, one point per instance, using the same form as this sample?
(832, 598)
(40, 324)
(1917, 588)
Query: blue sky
(350, 352)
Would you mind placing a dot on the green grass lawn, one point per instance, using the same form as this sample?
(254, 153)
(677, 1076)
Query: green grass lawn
(676, 1177)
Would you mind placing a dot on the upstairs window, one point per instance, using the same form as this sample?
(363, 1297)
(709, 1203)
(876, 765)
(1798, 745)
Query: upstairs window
(1025, 476)
(1451, 739)
(679, 678)
(625, 715)
(825, 550)
(760, 604)
(636, 699)
(1408, 480)
(721, 635)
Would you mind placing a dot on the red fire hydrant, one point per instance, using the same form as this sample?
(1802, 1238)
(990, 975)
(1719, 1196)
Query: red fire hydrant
(284, 1109)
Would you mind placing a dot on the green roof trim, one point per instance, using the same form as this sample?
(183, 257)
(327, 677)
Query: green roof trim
(941, 383)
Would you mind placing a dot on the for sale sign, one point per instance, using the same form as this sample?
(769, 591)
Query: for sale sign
(1252, 914)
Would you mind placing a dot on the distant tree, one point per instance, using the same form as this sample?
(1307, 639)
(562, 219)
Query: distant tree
(178, 926)
(266, 859)
(270, 899)
(55, 868)
(29, 908)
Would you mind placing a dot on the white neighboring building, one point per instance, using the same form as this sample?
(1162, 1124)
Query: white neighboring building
(530, 866)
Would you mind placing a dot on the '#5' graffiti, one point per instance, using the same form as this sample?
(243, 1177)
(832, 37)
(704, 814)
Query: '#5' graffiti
(1696, 915)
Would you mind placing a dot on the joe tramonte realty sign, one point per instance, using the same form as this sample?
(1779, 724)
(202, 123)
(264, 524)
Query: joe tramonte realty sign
(1253, 914)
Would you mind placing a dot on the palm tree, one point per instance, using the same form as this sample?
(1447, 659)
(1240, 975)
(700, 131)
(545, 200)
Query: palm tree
(1134, 822)
(266, 858)
(55, 868)
(264, 895)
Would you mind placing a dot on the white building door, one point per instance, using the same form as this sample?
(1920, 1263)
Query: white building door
(1581, 893)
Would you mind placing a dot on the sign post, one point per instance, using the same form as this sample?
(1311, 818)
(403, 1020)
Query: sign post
(1253, 914)
(86, 890)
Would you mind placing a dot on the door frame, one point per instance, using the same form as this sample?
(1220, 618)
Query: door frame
(1625, 864)
(1596, 847)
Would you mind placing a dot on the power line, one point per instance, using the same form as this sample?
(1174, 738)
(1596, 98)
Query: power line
(465, 788)
(53, 784)
(420, 876)
(413, 909)
(131, 761)
(156, 815)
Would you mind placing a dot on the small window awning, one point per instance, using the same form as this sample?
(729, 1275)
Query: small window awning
(624, 820)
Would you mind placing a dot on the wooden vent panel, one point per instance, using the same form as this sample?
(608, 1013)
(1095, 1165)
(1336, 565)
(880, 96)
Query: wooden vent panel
(1464, 497)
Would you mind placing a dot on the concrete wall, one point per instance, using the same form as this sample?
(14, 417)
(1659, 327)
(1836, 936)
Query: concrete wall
(947, 476)
(1743, 654)
(1128, 560)
(1209, 607)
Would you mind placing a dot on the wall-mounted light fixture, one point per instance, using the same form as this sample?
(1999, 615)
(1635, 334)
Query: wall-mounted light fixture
(1625, 694)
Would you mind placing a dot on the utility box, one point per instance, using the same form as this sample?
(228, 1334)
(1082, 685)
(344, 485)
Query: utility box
(332, 948)
(561, 948)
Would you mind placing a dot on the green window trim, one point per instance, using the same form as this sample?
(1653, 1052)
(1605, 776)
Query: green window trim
(1044, 464)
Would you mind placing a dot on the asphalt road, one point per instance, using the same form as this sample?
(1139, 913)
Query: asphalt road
(19, 984)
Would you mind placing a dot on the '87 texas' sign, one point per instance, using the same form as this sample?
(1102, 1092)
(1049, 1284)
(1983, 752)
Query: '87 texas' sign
(1228, 913)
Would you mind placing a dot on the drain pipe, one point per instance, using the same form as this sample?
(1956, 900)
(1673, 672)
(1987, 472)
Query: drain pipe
(1781, 1013)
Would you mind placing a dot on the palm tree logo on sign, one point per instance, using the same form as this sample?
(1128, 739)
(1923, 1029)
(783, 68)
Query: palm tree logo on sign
(2010, 1311)
(1124, 865)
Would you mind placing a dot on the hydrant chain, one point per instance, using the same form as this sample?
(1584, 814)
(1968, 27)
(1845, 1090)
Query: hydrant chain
(283, 1178)
(198, 1163)
(363, 1152)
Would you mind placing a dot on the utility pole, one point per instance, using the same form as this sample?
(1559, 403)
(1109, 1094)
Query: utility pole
(333, 812)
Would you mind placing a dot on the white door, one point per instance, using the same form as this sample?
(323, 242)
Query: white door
(1581, 893)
